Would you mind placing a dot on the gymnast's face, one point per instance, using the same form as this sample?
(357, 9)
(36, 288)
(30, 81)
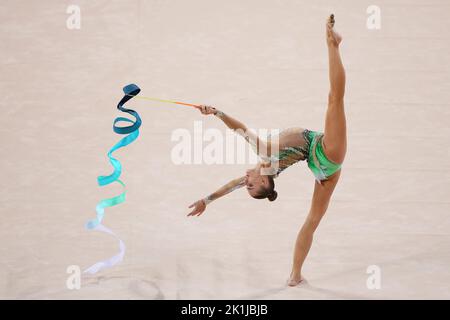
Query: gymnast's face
(255, 181)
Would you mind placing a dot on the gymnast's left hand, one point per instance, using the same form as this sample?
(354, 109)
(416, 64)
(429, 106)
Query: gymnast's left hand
(199, 208)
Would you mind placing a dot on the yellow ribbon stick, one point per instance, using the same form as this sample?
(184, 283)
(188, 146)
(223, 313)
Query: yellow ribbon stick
(168, 101)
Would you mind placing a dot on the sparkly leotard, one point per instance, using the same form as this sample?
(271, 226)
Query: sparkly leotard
(312, 151)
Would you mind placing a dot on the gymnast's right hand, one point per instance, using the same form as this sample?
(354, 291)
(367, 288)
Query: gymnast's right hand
(199, 208)
(207, 110)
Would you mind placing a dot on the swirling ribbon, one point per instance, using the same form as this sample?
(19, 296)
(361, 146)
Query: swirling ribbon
(130, 91)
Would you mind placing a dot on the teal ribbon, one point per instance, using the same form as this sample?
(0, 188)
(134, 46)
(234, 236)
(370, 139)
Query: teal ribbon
(133, 132)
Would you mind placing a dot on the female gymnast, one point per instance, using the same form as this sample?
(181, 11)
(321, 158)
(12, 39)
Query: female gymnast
(324, 153)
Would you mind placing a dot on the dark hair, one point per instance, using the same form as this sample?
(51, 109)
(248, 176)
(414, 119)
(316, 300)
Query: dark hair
(269, 192)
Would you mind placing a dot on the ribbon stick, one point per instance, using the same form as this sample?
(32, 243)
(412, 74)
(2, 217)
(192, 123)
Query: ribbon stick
(130, 91)
(170, 101)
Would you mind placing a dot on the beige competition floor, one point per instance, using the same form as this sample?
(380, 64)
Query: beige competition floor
(264, 62)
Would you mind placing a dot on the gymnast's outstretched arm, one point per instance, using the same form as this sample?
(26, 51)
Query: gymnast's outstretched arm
(200, 205)
(261, 147)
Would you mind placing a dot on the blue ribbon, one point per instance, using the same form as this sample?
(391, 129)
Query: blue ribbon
(133, 132)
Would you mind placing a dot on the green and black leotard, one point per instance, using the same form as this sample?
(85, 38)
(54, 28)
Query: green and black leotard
(312, 151)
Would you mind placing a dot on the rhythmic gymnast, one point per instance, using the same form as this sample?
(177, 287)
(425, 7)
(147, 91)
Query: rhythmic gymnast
(324, 153)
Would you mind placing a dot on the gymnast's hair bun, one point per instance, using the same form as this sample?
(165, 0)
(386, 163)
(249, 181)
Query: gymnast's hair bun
(272, 196)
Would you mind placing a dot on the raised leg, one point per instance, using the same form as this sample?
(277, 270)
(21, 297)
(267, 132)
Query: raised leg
(335, 133)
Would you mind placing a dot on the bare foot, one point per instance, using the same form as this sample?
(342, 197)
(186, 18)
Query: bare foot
(333, 38)
(295, 280)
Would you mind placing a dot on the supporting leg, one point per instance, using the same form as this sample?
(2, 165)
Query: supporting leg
(319, 205)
